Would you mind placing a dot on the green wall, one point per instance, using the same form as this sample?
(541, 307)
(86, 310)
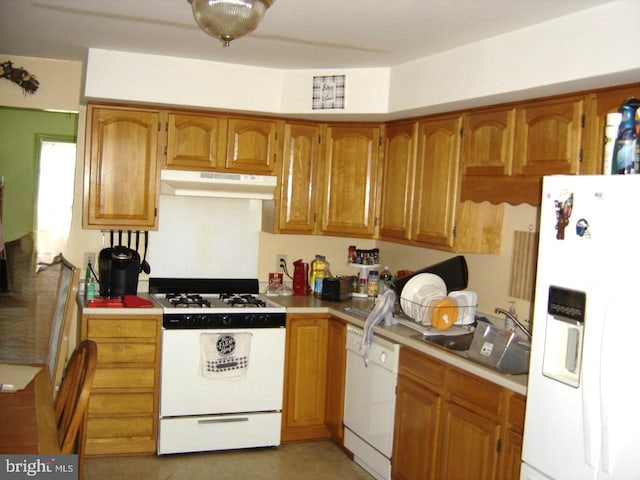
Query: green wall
(19, 164)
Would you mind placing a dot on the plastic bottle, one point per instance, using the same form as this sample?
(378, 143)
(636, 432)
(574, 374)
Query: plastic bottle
(372, 283)
(319, 270)
(625, 148)
(90, 286)
(386, 280)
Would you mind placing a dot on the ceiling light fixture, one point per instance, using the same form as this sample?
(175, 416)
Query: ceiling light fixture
(229, 19)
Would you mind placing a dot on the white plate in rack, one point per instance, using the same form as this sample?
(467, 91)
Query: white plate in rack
(417, 290)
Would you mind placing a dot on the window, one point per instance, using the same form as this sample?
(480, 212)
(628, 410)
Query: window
(57, 160)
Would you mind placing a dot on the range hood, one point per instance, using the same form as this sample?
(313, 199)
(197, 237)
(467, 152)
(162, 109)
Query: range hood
(217, 184)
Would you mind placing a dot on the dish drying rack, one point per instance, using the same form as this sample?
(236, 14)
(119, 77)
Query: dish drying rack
(421, 313)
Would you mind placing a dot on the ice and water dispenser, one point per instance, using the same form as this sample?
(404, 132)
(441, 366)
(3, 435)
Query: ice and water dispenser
(564, 335)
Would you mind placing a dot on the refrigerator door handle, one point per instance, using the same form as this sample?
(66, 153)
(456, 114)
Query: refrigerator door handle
(586, 426)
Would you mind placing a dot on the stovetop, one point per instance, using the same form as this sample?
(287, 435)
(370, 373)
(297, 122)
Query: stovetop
(227, 302)
(215, 303)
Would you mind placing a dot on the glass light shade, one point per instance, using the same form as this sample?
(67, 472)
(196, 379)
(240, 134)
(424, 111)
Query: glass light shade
(229, 19)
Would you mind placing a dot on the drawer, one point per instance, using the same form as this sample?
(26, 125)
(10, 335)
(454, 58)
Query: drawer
(121, 403)
(421, 368)
(126, 352)
(124, 378)
(120, 446)
(122, 327)
(120, 427)
(469, 391)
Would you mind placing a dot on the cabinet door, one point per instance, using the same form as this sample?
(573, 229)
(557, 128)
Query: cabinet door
(487, 142)
(397, 180)
(301, 152)
(548, 137)
(599, 105)
(305, 378)
(120, 178)
(416, 429)
(350, 175)
(336, 367)
(196, 142)
(468, 445)
(436, 181)
(252, 145)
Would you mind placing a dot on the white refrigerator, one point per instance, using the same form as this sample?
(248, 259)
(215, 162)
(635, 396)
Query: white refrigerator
(583, 399)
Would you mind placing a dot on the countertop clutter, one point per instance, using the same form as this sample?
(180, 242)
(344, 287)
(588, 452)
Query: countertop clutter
(396, 333)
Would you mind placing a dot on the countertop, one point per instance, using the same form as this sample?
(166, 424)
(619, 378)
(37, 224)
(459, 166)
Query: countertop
(396, 333)
(402, 335)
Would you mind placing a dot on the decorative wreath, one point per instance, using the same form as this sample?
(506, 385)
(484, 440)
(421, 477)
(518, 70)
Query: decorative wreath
(19, 76)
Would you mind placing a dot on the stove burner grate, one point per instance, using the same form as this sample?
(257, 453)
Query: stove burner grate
(242, 300)
(184, 300)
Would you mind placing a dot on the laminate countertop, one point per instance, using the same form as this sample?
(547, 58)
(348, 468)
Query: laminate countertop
(402, 335)
(395, 333)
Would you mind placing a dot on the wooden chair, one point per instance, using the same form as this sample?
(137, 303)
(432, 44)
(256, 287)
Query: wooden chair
(72, 401)
(61, 323)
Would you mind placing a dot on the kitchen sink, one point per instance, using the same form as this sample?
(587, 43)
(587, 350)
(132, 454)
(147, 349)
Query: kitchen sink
(458, 343)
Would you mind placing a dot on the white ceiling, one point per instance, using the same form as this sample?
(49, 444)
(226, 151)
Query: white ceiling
(295, 34)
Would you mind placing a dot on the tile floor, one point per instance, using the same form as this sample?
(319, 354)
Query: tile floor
(320, 460)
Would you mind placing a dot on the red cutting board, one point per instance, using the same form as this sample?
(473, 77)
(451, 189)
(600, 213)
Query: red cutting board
(133, 301)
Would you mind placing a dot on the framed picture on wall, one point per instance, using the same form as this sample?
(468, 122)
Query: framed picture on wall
(329, 92)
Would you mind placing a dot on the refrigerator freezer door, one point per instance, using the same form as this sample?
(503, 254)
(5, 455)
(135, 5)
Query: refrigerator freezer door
(587, 243)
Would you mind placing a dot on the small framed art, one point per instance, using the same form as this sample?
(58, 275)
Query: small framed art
(329, 92)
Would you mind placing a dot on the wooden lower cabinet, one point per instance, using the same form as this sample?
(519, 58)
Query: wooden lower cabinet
(123, 407)
(315, 361)
(418, 412)
(453, 425)
(305, 377)
(336, 374)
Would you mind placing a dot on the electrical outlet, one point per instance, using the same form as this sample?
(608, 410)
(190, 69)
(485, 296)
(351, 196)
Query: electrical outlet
(90, 258)
(281, 259)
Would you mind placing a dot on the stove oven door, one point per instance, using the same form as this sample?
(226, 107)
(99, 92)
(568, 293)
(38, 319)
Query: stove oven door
(183, 391)
(204, 414)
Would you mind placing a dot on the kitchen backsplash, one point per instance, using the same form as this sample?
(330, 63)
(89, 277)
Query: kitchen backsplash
(206, 237)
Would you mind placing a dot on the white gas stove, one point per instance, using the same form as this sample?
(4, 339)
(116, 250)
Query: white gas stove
(222, 365)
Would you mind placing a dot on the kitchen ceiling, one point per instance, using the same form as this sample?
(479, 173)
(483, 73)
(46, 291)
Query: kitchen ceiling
(295, 34)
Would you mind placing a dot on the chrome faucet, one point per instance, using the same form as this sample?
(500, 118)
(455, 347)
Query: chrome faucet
(514, 320)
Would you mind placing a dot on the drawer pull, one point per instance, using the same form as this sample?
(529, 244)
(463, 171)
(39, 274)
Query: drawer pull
(223, 420)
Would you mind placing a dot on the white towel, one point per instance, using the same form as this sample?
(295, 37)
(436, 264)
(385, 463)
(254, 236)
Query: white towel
(382, 312)
(224, 355)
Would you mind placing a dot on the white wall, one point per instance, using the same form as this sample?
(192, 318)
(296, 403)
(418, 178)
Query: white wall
(584, 50)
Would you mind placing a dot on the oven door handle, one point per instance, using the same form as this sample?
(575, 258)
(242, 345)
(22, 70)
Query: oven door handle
(223, 420)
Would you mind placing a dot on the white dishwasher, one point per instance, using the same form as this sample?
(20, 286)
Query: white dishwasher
(369, 403)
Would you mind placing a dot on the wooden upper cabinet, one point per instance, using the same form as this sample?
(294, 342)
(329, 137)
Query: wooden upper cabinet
(397, 180)
(487, 142)
(252, 145)
(196, 142)
(513, 148)
(548, 137)
(436, 180)
(598, 106)
(121, 168)
(350, 175)
(301, 154)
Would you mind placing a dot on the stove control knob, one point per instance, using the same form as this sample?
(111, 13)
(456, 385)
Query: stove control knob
(251, 319)
(263, 319)
(190, 319)
(226, 320)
